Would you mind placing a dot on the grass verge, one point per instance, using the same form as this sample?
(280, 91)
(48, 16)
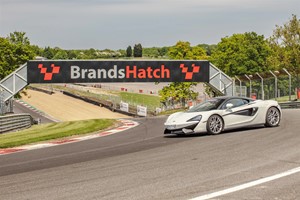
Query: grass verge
(285, 98)
(45, 132)
(140, 99)
(169, 112)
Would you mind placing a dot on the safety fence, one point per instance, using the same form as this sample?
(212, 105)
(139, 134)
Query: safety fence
(15, 122)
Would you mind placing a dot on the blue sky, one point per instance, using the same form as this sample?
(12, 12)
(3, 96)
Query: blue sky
(115, 24)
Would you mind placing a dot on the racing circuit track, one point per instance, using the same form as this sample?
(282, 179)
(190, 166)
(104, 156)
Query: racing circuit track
(143, 164)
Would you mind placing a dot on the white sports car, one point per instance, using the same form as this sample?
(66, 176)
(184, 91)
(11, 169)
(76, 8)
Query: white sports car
(223, 113)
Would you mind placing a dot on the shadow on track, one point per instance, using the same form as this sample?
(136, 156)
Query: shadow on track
(239, 130)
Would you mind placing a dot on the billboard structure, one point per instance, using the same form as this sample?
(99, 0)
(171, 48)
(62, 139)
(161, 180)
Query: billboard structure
(117, 71)
(98, 71)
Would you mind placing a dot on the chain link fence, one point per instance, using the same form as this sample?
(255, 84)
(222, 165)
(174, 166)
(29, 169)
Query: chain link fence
(272, 88)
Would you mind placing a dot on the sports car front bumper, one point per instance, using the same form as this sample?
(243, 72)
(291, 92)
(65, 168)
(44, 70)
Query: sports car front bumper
(180, 129)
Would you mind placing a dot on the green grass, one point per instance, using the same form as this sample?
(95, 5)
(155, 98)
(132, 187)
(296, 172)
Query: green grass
(285, 98)
(51, 131)
(140, 99)
(169, 112)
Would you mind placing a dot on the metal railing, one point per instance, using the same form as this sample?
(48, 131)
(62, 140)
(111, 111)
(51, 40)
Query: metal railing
(291, 104)
(219, 81)
(14, 82)
(15, 122)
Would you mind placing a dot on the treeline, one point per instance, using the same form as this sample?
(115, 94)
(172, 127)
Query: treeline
(137, 51)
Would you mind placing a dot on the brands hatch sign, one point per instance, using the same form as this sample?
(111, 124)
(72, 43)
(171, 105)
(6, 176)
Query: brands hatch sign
(53, 71)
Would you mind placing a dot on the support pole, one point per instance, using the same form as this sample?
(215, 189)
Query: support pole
(275, 84)
(262, 86)
(290, 84)
(240, 85)
(250, 92)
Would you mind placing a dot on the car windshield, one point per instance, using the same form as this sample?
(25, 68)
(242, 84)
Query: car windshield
(210, 104)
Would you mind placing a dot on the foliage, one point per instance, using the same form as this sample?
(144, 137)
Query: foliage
(183, 50)
(162, 52)
(151, 52)
(53, 131)
(242, 54)
(137, 50)
(129, 51)
(183, 90)
(15, 50)
(178, 91)
(60, 55)
(285, 43)
(208, 48)
(169, 112)
(48, 53)
(156, 52)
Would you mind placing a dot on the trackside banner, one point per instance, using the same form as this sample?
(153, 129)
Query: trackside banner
(52, 71)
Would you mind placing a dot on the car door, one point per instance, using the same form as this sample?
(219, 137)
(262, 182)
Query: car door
(240, 114)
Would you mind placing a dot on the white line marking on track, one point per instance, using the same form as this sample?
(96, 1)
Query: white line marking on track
(248, 185)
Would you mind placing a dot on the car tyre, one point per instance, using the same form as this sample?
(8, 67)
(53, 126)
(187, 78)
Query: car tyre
(215, 125)
(272, 117)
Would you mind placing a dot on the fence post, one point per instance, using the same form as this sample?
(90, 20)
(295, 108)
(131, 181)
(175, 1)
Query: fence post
(275, 84)
(290, 83)
(262, 86)
(240, 85)
(248, 77)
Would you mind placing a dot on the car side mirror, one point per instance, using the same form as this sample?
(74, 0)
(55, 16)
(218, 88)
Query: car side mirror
(229, 106)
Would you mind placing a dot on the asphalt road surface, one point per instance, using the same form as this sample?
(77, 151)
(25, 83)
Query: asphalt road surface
(143, 164)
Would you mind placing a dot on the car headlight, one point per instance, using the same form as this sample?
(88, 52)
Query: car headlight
(195, 119)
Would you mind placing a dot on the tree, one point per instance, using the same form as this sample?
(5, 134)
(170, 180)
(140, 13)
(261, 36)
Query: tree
(178, 91)
(48, 52)
(183, 90)
(18, 38)
(60, 55)
(163, 51)
(242, 54)
(285, 43)
(37, 50)
(208, 48)
(183, 50)
(91, 53)
(71, 54)
(15, 50)
(151, 52)
(129, 51)
(138, 50)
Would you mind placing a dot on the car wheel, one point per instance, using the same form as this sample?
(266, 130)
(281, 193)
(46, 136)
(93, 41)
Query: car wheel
(273, 117)
(214, 125)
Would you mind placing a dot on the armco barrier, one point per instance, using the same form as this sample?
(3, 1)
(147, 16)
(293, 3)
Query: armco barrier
(40, 90)
(15, 122)
(106, 104)
(292, 104)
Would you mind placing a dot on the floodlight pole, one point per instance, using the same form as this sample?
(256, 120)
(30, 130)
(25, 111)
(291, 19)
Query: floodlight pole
(275, 84)
(250, 84)
(290, 83)
(262, 86)
(240, 85)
